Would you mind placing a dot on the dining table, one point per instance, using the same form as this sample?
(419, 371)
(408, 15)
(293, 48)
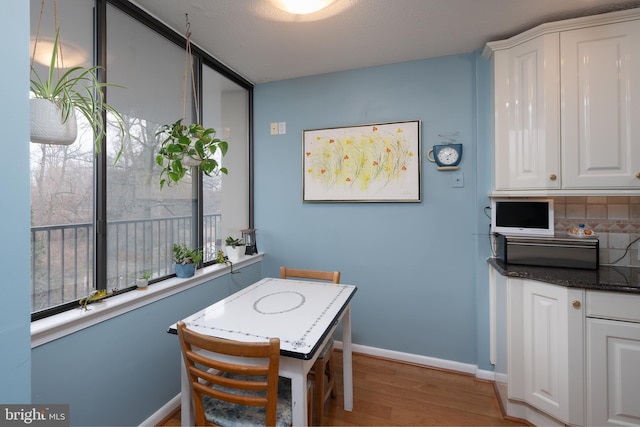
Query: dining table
(303, 314)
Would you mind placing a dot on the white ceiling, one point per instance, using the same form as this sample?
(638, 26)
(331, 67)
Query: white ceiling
(263, 44)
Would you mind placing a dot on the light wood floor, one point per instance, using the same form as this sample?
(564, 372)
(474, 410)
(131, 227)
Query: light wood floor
(390, 393)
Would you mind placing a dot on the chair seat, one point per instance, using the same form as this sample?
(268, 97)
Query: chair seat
(231, 415)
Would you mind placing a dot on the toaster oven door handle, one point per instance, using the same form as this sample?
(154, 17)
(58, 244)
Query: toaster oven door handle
(553, 245)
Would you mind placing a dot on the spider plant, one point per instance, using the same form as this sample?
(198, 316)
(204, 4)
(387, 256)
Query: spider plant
(78, 88)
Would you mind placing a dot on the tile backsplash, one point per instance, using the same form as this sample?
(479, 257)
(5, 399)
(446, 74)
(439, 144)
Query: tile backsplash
(615, 220)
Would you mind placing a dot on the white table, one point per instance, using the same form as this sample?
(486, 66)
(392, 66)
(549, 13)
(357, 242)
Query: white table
(303, 314)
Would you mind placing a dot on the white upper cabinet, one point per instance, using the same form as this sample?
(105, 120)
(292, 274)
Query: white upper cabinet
(527, 150)
(567, 107)
(600, 77)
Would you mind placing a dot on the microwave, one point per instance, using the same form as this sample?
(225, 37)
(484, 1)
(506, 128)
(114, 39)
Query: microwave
(522, 216)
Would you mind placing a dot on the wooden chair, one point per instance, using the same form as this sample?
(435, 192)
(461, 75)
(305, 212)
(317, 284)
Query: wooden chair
(226, 392)
(323, 366)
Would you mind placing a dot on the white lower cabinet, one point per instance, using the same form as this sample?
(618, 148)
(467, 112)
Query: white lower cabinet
(572, 355)
(613, 360)
(546, 348)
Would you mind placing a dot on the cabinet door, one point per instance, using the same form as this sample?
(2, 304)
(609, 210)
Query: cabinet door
(553, 346)
(600, 79)
(613, 373)
(527, 115)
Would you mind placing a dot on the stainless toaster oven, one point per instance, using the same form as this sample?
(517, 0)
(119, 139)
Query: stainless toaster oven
(568, 252)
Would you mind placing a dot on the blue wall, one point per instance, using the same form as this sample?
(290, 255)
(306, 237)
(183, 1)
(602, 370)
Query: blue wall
(415, 263)
(121, 371)
(15, 306)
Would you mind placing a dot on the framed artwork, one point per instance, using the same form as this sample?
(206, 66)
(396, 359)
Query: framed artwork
(365, 163)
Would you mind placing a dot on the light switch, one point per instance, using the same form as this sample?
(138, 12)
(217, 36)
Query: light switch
(274, 128)
(282, 128)
(457, 179)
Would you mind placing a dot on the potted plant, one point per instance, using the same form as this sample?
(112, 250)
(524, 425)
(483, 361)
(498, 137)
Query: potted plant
(55, 101)
(143, 281)
(185, 146)
(235, 248)
(186, 260)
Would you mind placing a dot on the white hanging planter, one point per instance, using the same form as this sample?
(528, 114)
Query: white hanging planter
(194, 160)
(188, 160)
(47, 126)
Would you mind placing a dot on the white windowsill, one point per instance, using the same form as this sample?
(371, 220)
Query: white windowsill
(59, 325)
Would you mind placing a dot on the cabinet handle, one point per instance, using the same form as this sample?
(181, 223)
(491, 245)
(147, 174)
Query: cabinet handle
(553, 177)
(575, 303)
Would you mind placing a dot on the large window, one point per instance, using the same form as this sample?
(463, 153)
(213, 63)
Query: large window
(62, 243)
(73, 190)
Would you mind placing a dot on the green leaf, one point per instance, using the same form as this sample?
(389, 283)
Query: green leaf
(187, 140)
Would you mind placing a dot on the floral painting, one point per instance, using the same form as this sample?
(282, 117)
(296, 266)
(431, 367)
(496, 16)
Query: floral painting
(366, 163)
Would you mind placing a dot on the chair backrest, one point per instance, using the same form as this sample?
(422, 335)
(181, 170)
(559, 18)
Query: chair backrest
(331, 276)
(207, 374)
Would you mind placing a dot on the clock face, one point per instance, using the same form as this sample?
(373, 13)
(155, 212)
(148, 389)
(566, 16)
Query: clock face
(448, 156)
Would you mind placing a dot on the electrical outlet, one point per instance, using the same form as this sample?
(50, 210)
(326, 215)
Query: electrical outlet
(274, 128)
(282, 128)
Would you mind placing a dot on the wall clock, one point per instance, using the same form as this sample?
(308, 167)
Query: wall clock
(447, 157)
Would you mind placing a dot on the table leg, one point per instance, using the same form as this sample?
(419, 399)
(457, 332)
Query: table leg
(347, 364)
(186, 411)
(299, 397)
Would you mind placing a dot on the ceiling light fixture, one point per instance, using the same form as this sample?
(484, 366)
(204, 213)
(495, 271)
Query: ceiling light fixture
(301, 7)
(72, 55)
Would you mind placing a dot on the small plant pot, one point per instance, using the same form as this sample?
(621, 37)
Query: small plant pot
(235, 253)
(142, 283)
(185, 270)
(47, 126)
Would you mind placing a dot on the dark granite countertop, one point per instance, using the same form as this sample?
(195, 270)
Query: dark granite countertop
(606, 278)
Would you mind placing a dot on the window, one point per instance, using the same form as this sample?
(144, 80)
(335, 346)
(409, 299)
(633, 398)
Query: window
(73, 189)
(62, 244)
(225, 108)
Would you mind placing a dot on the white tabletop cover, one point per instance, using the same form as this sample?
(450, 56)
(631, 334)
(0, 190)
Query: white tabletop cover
(298, 312)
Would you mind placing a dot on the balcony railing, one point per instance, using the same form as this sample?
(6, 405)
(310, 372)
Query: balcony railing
(62, 256)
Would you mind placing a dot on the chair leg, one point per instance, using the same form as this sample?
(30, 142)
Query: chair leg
(331, 383)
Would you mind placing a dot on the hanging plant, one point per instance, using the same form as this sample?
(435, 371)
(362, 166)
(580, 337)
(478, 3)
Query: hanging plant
(188, 146)
(78, 89)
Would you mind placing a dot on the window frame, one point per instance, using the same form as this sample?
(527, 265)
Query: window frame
(201, 58)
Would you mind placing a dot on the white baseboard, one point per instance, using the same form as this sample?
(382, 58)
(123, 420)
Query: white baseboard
(162, 413)
(431, 362)
(417, 359)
